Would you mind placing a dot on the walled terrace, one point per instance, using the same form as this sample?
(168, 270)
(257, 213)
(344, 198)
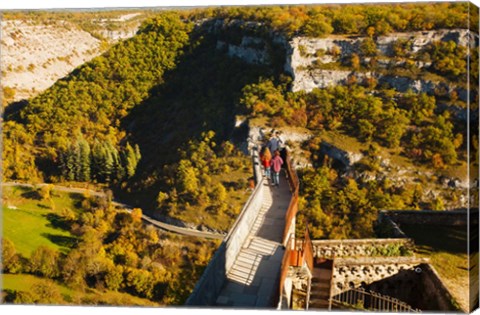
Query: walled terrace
(367, 270)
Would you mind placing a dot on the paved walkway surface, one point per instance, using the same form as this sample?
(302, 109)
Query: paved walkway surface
(253, 280)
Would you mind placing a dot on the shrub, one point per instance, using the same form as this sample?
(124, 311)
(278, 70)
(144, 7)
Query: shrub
(44, 261)
(47, 292)
(10, 262)
(23, 297)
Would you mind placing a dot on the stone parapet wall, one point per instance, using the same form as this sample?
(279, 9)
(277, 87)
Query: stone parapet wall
(361, 247)
(213, 278)
(211, 282)
(409, 279)
(357, 272)
(244, 223)
(430, 217)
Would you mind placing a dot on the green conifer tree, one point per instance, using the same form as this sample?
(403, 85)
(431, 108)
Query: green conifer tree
(84, 161)
(131, 160)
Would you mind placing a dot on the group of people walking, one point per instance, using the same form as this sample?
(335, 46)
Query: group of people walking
(272, 165)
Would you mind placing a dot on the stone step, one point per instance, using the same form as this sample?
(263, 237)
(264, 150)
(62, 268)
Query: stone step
(324, 277)
(320, 271)
(319, 291)
(318, 304)
(321, 286)
(320, 295)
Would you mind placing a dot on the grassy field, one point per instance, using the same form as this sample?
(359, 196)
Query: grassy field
(343, 141)
(29, 221)
(447, 249)
(23, 282)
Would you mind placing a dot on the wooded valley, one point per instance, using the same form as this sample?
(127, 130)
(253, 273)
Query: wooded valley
(160, 120)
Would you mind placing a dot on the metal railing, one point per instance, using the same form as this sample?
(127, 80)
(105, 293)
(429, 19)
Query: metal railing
(332, 283)
(289, 217)
(361, 299)
(292, 175)
(305, 250)
(286, 263)
(293, 206)
(297, 253)
(308, 250)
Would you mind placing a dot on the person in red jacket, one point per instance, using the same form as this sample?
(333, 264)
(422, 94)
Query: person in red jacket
(266, 159)
(277, 166)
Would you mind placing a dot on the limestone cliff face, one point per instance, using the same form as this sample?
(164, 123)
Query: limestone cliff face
(252, 50)
(251, 42)
(35, 55)
(304, 53)
(347, 159)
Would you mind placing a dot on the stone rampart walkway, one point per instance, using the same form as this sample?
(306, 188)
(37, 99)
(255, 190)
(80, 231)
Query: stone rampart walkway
(252, 282)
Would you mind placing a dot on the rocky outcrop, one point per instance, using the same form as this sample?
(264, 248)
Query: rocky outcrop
(347, 159)
(118, 35)
(252, 42)
(252, 50)
(403, 84)
(423, 38)
(235, 43)
(120, 28)
(36, 55)
(309, 80)
(304, 55)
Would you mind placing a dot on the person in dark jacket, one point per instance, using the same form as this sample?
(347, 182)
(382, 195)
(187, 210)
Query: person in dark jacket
(275, 142)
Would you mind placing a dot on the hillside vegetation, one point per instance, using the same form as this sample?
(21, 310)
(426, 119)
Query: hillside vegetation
(134, 117)
(40, 47)
(81, 249)
(153, 116)
(375, 19)
(156, 119)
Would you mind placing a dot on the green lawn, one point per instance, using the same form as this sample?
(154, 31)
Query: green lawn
(24, 282)
(30, 222)
(343, 141)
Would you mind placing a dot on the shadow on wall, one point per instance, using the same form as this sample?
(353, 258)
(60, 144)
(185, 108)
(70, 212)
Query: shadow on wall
(211, 282)
(419, 287)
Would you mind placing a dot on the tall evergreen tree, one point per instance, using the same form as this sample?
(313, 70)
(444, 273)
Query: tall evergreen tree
(131, 160)
(84, 161)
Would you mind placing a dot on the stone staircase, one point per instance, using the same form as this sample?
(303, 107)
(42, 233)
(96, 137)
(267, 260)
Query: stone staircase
(321, 282)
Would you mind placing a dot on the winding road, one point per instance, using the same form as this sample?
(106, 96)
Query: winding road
(159, 224)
